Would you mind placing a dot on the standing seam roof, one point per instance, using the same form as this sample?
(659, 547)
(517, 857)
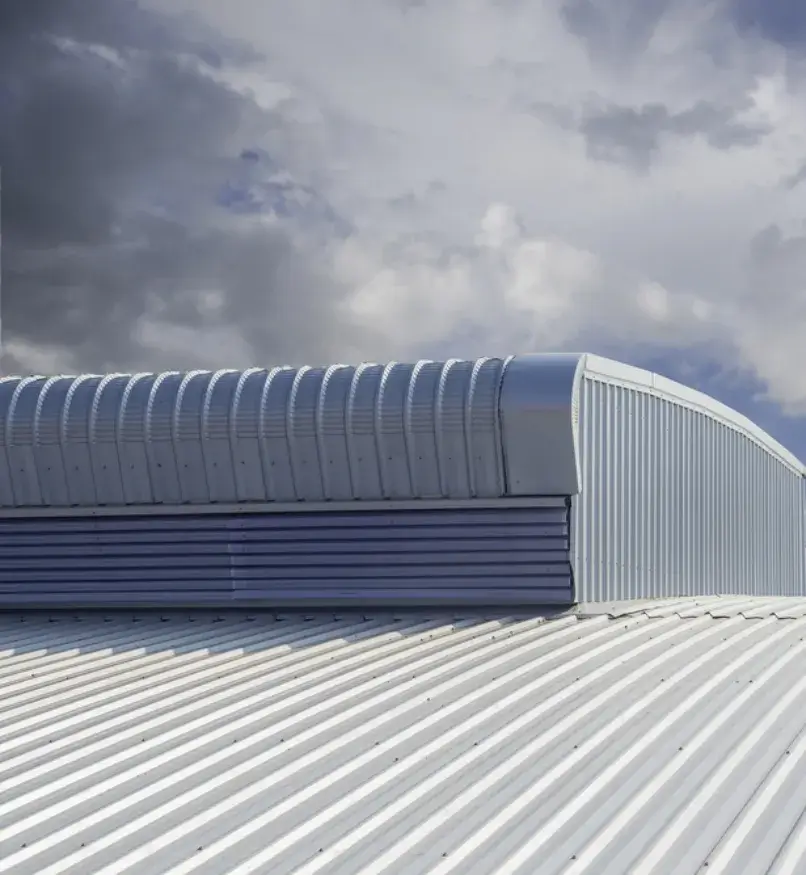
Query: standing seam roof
(656, 738)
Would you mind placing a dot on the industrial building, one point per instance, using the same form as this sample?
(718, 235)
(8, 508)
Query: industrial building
(535, 480)
(543, 614)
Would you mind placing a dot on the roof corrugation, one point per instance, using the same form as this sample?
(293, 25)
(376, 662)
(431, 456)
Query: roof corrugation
(647, 741)
(395, 431)
(717, 607)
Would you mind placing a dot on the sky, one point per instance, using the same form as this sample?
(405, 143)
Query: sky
(188, 183)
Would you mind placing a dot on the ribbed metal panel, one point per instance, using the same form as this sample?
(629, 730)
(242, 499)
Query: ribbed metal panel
(509, 555)
(396, 431)
(669, 740)
(674, 493)
(678, 501)
(451, 430)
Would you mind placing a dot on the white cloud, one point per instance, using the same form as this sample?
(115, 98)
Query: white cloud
(39, 359)
(514, 286)
(431, 126)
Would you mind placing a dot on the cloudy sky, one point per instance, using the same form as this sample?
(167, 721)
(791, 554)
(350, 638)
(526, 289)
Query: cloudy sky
(191, 183)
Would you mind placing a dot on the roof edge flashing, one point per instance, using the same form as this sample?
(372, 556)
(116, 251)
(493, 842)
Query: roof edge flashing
(539, 407)
(598, 367)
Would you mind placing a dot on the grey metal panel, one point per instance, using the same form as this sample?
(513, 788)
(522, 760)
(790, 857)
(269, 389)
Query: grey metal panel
(396, 478)
(74, 439)
(332, 433)
(48, 440)
(188, 439)
(677, 501)
(399, 431)
(8, 387)
(20, 441)
(109, 561)
(275, 418)
(515, 555)
(365, 468)
(451, 430)
(132, 437)
(217, 445)
(104, 437)
(160, 445)
(245, 435)
(539, 412)
(502, 556)
(659, 386)
(669, 738)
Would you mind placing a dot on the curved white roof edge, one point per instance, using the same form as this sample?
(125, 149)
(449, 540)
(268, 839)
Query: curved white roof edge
(539, 423)
(631, 376)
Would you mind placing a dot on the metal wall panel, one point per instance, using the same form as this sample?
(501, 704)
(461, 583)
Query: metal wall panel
(508, 555)
(539, 415)
(676, 501)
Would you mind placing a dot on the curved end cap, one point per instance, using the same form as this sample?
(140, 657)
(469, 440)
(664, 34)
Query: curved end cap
(539, 424)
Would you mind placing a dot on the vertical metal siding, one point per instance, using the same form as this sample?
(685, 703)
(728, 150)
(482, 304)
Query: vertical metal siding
(802, 528)
(675, 502)
(509, 555)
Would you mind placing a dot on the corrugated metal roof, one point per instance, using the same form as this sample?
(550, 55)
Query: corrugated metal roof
(716, 606)
(395, 431)
(651, 738)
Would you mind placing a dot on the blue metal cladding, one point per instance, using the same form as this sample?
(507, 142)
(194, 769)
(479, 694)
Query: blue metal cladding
(428, 430)
(677, 500)
(436, 556)
(425, 430)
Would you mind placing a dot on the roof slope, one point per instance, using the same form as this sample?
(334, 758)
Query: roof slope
(652, 738)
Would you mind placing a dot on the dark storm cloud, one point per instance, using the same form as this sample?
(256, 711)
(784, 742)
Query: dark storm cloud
(613, 29)
(114, 142)
(617, 30)
(783, 21)
(633, 137)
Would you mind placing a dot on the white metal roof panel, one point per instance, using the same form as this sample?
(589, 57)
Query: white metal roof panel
(649, 740)
(717, 606)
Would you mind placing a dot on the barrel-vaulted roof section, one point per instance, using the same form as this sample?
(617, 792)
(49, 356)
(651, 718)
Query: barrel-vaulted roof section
(454, 430)
(427, 431)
